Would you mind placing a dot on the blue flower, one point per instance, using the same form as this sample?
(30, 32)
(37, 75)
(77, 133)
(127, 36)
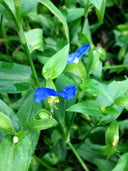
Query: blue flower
(42, 93)
(74, 57)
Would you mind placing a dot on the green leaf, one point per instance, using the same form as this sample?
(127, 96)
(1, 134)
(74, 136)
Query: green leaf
(110, 3)
(86, 30)
(97, 4)
(57, 13)
(33, 135)
(21, 134)
(50, 84)
(41, 124)
(86, 108)
(98, 72)
(34, 39)
(95, 87)
(55, 136)
(4, 108)
(6, 124)
(45, 22)
(122, 148)
(14, 77)
(86, 151)
(112, 137)
(93, 60)
(28, 108)
(122, 163)
(100, 12)
(27, 6)
(102, 53)
(110, 110)
(74, 13)
(60, 149)
(65, 117)
(8, 10)
(15, 156)
(50, 158)
(114, 89)
(76, 69)
(43, 114)
(56, 64)
(121, 101)
(103, 165)
(124, 124)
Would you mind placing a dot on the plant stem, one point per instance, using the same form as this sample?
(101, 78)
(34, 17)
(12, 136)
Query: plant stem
(1, 21)
(115, 67)
(86, 9)
(6, 41)
(77, 156)
(43, 163)
(31, 63)
(23, 39)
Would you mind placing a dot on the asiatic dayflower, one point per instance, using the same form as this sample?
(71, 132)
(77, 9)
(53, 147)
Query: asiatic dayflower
(75, 56)
(42, 93)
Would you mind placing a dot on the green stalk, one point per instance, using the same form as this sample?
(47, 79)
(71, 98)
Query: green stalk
(10, 13)
(123, 66)
(17, 8)
(1, 21)
(86, 9)
(6, 41)
(77, 156)
(23, 41)
(31, 63)
(43, 163)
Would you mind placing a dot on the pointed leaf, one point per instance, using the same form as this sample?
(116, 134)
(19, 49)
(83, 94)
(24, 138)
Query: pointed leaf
(114, 89)
(122, 163)
(110, 110)
(14, 77)
(74, 13)
(93, 60)
(112, 137)
(77, 69)
(27, 6)
(122, 101)
(103, 165)
(97, 3)
(15, 156)
(100, 12)
(6, 124)
(95, 87)
(57, 13)
(28, 108)
(41, 124)
(4, 108)
(8, 10)
(34, 39)
(86, 108)
(56, 64)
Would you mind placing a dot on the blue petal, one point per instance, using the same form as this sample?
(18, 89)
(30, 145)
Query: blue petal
(42, 93)
(71, 57)
(82, 50)
(68, 92)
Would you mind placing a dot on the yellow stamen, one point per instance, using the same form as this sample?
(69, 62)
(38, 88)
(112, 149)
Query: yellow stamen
(56, 107)
(50, 101)
(57, 100)
(53, 99)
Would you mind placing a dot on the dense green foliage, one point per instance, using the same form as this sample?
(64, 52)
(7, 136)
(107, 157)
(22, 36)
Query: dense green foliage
(87, 132)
